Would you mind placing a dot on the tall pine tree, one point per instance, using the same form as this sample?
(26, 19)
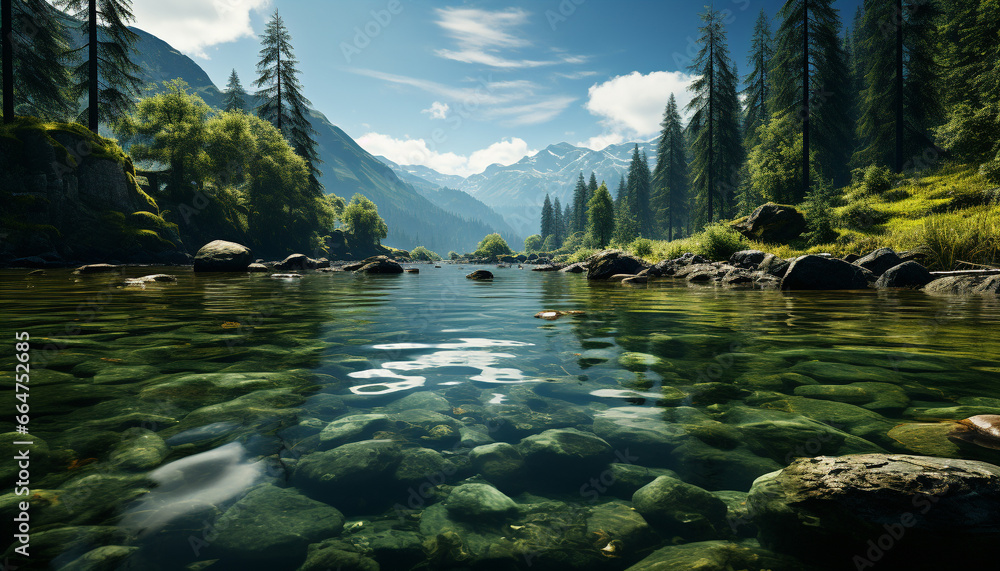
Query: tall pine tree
(600, 217)
(580, 205)
(558, 226)
(591, 186)
(236, 96)
(107, 76)
(758, 83)
(280, 94)
(548, 219)
(670, 179)
(35, 80)
(970, 29)
(900, 40)
(812, 84)
(714, 126)
(640, 188)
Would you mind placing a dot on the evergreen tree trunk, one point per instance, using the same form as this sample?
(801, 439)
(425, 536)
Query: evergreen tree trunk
(899, 86)
(94, 89)
(670, 216)
(7, 38)
(805, 99)
(711, 124)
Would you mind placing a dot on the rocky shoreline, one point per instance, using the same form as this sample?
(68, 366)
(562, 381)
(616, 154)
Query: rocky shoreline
(754, 269)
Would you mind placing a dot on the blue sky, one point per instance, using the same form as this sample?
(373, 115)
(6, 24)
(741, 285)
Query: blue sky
(460, 85)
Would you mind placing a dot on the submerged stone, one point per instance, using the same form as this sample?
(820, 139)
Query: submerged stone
(500, 463)
(747, 555)
(352, 428)
(106, 557)
(140, 450)
(677, 508)
(272, 524)
(615, 522)
(565, 453)
(474, 501)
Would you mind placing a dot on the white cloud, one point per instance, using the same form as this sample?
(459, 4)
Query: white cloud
(191, 26)
(601, 141)
(489, 59)
(482, 28)
(417, 152)
(577, 74)
(506, 152)
(532, 113)
(486, 93)
(437, 110)
(483, 35)
(490, 100)
(631, 106)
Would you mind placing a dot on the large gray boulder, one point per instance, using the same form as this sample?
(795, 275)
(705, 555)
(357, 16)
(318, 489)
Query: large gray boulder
(609, 263)
(747, 259)
(906, 275)
(223, 256)
(817, 272)
(380, 265)
(898, 511)
(297, 262)
(773, 223)
(965, 285)
(879, 261)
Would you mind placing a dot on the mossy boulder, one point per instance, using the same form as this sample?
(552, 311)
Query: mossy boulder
(773, 224)
(68, 190)
(223, 256)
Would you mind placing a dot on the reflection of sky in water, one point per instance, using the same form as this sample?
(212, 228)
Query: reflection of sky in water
(466, 353)
(191, 486)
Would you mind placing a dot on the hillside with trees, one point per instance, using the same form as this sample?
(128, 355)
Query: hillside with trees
(883, 133)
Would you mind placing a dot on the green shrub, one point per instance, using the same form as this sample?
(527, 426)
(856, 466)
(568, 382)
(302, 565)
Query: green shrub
(991, 171)
(493, 246)
(533, 243)
(424, 255)
(581, 255)
(861, 215)
(641, 247)
(453, 255)
(877, 180)
(719, 242)
(819, 215)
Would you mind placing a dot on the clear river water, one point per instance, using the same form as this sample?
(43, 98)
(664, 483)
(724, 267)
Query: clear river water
(250, 422)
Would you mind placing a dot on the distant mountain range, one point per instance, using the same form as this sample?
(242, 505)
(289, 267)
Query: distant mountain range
(517, 191)
(439, 221)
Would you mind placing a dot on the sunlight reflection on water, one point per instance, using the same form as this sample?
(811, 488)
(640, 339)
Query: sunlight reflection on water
(453, 355)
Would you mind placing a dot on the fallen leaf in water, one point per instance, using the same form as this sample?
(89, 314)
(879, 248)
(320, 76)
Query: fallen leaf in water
(552, 315)
(230, 325)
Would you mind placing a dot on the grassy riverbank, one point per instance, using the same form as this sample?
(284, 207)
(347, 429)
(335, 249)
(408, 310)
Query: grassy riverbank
(951, 214)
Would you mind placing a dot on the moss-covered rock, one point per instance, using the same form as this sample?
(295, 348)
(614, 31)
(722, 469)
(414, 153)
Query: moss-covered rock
(68, 190)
